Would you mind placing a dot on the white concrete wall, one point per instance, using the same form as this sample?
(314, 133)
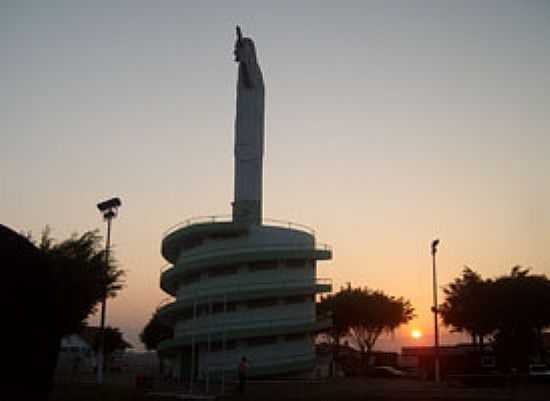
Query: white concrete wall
(278, 353)
(245, 278)
(281, 314)
(259, 236)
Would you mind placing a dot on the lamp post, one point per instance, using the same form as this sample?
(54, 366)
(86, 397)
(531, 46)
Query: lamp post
(435, 243)
(108, 209)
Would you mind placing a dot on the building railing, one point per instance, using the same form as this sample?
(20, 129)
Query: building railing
(220, 291)
(206, 325)
(229, 218)
(166, 267)
(215, 250)
(166, 301)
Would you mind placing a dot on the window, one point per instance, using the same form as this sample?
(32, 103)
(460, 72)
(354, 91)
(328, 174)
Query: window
(217, 346)
(202, 309)
(261, 266)
(259, 341)
(223, 271)
(186, 314)
(220, 307)
(222, 235)
(192, 243)
(297, 299)
(295, 337)
(191, 278)
(296, 263)
(261, 303)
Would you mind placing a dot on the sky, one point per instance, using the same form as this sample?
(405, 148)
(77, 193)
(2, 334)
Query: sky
(388, 124)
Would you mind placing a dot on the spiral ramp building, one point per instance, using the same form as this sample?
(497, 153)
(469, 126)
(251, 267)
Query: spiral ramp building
(241, 290)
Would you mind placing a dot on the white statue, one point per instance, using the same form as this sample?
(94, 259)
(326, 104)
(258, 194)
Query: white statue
(249, 134)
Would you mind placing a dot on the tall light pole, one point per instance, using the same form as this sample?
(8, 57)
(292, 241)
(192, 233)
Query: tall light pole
(108, 209)
(435, 243)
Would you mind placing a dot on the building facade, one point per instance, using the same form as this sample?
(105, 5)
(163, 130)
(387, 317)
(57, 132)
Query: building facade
(241, 290)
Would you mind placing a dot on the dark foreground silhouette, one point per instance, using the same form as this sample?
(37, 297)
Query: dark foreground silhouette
(29, 317)
(341, 389)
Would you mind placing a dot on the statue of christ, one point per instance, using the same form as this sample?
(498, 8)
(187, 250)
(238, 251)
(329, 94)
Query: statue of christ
(249, 134)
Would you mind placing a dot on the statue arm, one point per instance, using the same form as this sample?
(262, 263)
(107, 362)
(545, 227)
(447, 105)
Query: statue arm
(239, 34)
(248, 68)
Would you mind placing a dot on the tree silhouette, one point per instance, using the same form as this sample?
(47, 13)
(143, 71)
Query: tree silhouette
(522, 302)
(338, 307)
(469, 305)
(375, 313)
(364, 315)
(154, 332)
(81, 276)
(514, 309)
(113, 341)
(28, 305)
(52, 289)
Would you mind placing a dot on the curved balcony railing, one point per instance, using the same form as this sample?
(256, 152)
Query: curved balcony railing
(219, 291)
(228, 218)
(217, 249)
(283, 325)
(166, 301)
(205, 325)
(166, 267)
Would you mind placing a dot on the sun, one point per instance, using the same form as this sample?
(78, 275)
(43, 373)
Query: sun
(416, 334)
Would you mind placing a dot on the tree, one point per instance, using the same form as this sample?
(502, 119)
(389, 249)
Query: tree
(52, 289)
(514, 309)
(364, 315)
(113, 341)
(81, 276)
(154, 332)
(469, 306)
(374, 313)
(29, 307)
(523, 312)
(338, 307)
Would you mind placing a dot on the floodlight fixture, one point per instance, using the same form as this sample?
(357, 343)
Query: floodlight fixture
(109, 207)
(435, 243)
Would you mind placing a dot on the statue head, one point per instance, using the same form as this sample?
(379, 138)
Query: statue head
(245, 51)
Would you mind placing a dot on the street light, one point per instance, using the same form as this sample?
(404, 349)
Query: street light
(108, 209)
(435, 243)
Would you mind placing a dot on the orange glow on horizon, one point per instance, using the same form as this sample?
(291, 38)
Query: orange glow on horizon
(416, 334)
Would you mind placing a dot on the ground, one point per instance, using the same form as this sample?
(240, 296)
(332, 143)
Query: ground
(346, 389)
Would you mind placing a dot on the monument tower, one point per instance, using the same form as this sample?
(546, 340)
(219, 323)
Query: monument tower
(244, 285)
(249, 134)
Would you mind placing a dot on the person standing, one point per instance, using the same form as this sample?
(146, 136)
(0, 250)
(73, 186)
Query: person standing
(243, 368)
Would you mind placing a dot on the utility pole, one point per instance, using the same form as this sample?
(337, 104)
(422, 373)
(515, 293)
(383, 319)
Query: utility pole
(435, 243)
(108, 209)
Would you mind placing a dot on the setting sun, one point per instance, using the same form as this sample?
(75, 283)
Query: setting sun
(416, 334)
